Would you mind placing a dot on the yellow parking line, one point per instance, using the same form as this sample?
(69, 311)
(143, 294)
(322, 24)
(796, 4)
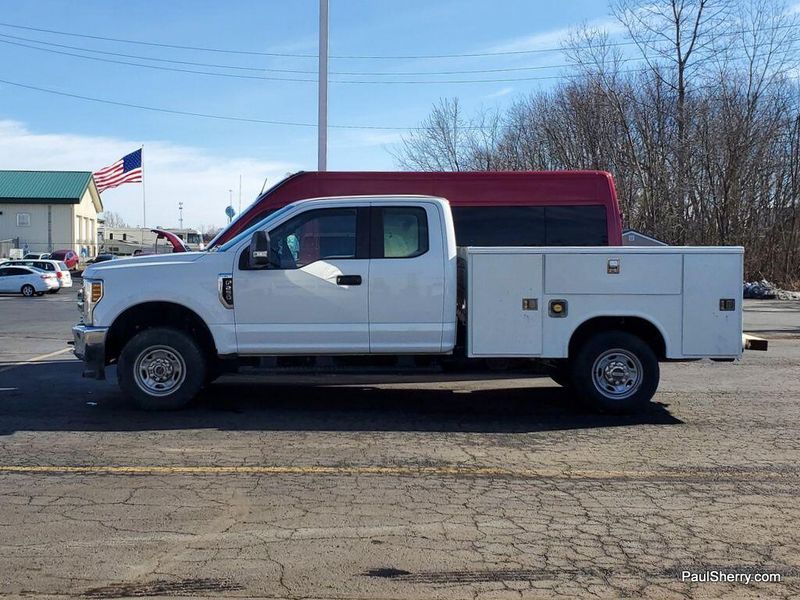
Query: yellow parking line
(543, 473)
(35, 359)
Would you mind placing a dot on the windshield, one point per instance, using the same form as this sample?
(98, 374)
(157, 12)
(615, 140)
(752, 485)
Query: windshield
(249, 231)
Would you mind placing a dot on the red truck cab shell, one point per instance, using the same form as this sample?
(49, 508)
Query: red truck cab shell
(463, 188)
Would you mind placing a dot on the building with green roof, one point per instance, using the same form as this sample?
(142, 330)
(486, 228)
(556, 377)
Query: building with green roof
(43, 211)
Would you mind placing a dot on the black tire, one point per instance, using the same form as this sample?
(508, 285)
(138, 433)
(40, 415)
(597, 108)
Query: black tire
(28, 290)
(615, 388)
(55, 291)
(172, 348)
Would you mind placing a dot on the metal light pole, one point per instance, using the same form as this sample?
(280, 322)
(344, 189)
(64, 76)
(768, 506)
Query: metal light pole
(322, 123)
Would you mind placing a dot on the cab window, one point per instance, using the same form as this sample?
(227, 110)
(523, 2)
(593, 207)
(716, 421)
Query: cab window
(399, 232)
(323, 234)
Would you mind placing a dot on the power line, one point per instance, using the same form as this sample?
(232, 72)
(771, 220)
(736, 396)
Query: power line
(335, 81)
(288, 79)
(157, 67)
(158, 44)
(219, 117)
(195, 114)
(139, 57)
(284, 54)
(249, 119)
(349, 57)
(276, 70)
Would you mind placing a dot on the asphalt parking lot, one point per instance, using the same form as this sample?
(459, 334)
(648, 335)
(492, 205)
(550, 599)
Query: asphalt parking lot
(463, 489)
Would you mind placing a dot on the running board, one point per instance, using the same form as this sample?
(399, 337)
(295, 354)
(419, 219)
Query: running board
(751, 342)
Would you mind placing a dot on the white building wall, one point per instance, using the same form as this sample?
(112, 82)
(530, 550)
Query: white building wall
(62, 226)
(34, 234)
(86, 238)
(52, 226)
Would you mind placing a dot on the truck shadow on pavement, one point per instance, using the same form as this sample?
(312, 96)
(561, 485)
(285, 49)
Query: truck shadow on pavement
(53, 397)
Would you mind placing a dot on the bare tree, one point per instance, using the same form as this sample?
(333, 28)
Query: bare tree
(703, 136)
(440, 143)
(113, 219)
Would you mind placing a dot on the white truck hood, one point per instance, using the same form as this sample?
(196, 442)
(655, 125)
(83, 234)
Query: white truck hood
(152, 260)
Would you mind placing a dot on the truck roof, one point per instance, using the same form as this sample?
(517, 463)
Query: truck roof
(462, 188)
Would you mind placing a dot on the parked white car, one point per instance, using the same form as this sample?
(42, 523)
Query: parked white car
(36, 256)
(51, 266)
(27, 281)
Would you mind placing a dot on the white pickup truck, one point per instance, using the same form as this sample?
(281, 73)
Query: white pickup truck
(381, 278)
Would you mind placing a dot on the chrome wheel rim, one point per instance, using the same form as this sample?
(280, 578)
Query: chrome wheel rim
(617, 374)
(159, 370)
(28, 290)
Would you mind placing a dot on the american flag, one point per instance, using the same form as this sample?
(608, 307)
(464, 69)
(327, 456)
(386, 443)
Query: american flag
(127, 169)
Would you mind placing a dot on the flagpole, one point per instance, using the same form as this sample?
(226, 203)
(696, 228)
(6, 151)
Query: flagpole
(144, 203)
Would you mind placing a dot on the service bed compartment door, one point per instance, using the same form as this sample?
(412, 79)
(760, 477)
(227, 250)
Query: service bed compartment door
(707, 279)
(504, 304)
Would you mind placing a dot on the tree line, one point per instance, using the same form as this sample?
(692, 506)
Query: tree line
(695, 113)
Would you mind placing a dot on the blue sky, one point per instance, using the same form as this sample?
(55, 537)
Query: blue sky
(197, 160)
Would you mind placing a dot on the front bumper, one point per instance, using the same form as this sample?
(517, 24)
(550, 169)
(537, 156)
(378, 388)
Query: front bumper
(90, 347)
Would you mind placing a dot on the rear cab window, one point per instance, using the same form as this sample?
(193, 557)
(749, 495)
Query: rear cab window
(562, 225)
(576, 225)
(399, 232)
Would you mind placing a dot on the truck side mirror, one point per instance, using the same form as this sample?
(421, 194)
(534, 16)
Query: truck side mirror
(260, 250)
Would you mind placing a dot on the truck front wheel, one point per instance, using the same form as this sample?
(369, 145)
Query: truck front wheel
(161, 369)
(615, 371)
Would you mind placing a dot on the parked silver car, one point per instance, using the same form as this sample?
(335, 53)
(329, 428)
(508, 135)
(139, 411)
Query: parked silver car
(52, 266)
(27, 281)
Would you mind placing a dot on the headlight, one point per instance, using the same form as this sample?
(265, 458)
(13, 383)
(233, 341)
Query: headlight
(92, 293)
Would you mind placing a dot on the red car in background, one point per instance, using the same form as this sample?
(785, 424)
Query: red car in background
(490, 208)
(69, 257)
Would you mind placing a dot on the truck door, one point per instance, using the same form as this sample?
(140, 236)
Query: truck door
(407, 276)
(314, 300)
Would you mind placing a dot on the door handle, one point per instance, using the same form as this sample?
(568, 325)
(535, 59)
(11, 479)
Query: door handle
(348, 280)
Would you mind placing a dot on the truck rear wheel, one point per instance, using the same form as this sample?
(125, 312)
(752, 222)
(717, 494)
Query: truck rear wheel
(161, 369)
(615, 371)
